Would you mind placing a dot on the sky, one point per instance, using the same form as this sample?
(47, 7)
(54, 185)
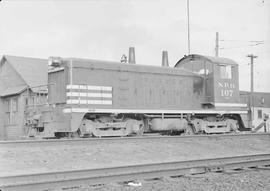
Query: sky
(105, 29)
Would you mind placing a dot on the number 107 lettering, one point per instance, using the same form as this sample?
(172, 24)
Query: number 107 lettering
(226, 93)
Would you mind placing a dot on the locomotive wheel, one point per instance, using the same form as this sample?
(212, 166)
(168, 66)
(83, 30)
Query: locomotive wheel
(189, 130)
(232, 124)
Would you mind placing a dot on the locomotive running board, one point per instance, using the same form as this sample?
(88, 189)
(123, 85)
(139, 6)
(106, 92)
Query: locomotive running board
(91, 110)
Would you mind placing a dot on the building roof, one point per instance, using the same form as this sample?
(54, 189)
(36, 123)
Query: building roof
(13, 90)
(261, 99)
(215, 60)
(32, 70)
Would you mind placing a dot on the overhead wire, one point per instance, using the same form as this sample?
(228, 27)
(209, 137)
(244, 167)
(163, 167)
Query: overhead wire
(257, 42)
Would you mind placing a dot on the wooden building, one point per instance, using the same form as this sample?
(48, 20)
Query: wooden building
(23, 84)
(260, 108)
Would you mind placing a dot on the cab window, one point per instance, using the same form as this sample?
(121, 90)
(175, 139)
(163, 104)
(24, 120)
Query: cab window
(225, 72)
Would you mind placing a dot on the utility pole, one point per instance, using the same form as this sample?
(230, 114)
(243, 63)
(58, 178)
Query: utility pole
(188, 27)
(217, 46)
(251, 99)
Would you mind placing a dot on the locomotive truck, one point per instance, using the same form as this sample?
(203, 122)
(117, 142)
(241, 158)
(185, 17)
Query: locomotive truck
(200, 94)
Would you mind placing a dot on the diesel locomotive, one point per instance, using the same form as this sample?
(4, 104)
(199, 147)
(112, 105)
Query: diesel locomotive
(200, 94)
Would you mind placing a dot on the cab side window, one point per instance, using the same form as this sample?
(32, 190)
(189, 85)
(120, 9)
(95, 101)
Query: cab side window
(225, 72)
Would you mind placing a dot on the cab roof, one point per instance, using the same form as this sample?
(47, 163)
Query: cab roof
(214, 60)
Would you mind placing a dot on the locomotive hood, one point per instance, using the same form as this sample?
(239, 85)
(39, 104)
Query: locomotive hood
(112, 65)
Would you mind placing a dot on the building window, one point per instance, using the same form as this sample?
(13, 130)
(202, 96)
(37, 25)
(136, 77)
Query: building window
(7, 112)
(259, 114)
(26, 101)
(14, 104)
(14, 110)
(11, 111)
(33, 102)
(262, 100)
(225, 72)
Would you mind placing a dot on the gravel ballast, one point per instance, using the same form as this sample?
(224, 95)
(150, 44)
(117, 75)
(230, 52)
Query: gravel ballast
(258, 180)
(99, 154)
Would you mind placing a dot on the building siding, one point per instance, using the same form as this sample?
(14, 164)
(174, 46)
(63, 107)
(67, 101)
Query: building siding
(2, 131)
(9, 77)
(257, 120)
(16, 74)
(262, 103)
(14, 129)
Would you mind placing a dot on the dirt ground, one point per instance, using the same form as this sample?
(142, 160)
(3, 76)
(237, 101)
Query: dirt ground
(36, 159)
(258, 180)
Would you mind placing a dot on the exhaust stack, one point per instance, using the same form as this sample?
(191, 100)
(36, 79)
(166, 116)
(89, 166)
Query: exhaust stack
(165, 60)
(131, 56)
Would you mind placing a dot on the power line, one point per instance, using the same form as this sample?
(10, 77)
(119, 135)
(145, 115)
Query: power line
(232, 47)
(256, 41)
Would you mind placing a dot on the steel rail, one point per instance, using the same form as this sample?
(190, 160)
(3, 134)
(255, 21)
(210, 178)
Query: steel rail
(145, 137)
(75, 178)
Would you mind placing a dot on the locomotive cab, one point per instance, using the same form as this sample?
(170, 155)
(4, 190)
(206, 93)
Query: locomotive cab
(221, 93)
(221, 85)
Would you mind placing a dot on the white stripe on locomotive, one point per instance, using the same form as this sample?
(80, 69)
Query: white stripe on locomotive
(78, 94)
(88, 87)
(83, 94)
(90, 102)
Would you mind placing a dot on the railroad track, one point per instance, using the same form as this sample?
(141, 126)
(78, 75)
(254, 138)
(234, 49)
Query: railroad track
(75, 178)
(135, 138)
